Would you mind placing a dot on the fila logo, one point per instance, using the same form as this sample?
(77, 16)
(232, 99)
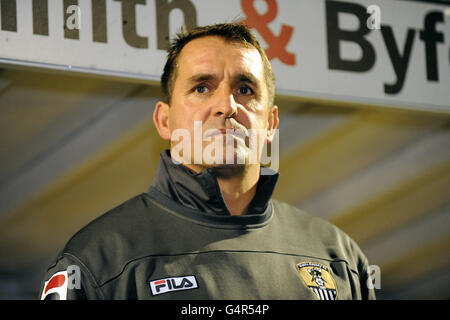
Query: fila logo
(173, 284)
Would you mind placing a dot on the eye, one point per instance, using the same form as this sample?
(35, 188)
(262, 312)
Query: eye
(244, 90)
(201, 89)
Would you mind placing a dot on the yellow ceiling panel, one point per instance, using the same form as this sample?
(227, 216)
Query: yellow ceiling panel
(413, 198)
(120, 171)
(341, 151)
(428, 259)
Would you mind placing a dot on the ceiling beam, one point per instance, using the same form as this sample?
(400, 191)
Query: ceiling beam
(417, 264)
(73, 146)
(363, 139)
(409, 161)
(409, 237)
(121, 170)
(412, 199)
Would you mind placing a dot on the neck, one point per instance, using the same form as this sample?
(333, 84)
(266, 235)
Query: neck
(239, 190)
(237, 185)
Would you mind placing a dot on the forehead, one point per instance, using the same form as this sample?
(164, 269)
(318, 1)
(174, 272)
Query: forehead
(213, 54)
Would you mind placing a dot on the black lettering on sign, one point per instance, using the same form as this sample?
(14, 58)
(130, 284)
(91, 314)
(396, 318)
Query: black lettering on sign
(399, 58)
(40, 17)
(430, 37)
(163, 9)
(99, 21)
(69, 33)
(129, 24)
(399, 62)
(8, 11)
(335, 35)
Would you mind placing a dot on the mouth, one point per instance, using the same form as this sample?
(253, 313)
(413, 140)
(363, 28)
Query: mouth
(238, 133)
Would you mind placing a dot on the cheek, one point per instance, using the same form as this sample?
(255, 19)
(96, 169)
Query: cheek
(176, 120)
(187, 109)
(183, 121)
(258, 119)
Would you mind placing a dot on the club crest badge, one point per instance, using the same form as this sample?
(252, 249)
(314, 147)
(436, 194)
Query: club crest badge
(318, 278)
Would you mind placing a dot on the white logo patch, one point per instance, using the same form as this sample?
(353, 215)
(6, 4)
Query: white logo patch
(161, 286)
(56, 287)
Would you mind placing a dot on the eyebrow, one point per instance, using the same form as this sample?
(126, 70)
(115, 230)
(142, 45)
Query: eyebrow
(241, 77)
(248, 78)
(201, 77)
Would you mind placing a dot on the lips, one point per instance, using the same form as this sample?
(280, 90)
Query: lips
(234, 132)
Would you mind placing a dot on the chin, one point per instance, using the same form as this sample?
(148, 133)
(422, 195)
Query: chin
(227, 170)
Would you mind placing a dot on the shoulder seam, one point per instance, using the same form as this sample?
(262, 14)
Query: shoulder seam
(97, 287)
(125, 264)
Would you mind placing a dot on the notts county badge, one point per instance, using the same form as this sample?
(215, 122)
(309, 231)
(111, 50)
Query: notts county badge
(318, 278)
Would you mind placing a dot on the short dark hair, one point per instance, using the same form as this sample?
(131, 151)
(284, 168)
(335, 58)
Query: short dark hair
(232, 32)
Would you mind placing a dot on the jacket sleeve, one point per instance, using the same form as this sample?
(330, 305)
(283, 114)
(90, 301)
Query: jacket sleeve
(69, 279)
(360, 263)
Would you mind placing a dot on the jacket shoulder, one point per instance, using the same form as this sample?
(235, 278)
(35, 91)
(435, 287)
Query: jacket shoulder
(321, 237)
(105, 244)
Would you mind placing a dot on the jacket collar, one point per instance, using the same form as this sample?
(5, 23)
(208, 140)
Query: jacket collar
(200, 191)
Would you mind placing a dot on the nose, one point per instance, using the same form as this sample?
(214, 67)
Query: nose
(224, 104)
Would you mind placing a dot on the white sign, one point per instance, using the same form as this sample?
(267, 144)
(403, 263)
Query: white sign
(380, 52)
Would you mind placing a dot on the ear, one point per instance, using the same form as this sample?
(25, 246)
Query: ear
(161, 119)
(272, 123)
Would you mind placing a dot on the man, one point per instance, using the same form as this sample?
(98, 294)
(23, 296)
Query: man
(207, 228)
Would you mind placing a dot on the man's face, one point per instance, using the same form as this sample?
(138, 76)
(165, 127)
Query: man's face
(219, 85)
